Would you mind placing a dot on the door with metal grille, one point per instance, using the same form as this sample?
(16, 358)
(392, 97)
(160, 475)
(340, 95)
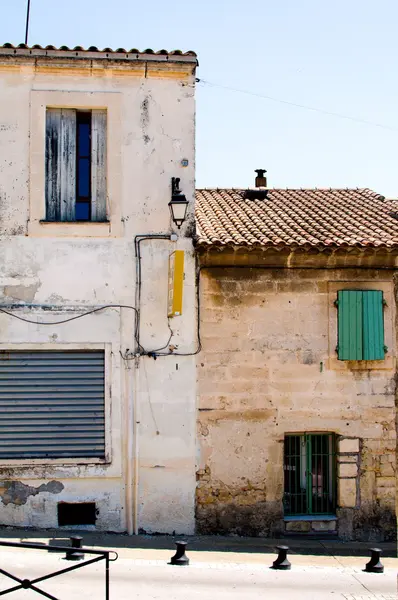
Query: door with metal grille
(309, 473)
(52, 404)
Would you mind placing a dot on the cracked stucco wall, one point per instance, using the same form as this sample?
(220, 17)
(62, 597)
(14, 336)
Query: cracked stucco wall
(154, 126)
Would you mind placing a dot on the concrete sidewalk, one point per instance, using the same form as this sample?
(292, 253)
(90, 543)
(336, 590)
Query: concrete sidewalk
(216, 549)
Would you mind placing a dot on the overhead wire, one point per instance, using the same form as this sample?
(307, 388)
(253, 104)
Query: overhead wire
(296, 105)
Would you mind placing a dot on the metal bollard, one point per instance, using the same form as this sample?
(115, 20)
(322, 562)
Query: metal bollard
(282, 562)
(180, 558)
(76, 542)
(375, 565)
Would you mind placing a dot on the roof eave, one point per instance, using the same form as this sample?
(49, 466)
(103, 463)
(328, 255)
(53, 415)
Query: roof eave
(111, 55)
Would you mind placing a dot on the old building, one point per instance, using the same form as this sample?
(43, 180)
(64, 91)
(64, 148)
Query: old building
(297, 374)
(93, 430)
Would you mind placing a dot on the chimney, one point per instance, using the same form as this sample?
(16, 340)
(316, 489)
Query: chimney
(260, 192)
(261, 181)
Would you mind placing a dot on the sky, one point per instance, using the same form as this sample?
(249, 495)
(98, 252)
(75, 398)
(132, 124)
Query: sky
(338, 56)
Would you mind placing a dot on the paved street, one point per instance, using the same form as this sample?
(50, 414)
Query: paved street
(207, 577)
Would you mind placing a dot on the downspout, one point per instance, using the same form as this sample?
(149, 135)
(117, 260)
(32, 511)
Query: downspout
(129, 424)
(132, 467)
(135, 450)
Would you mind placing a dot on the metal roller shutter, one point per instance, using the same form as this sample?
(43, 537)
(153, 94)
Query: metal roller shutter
(52, 404)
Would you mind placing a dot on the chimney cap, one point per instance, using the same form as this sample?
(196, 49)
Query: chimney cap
(261, 180)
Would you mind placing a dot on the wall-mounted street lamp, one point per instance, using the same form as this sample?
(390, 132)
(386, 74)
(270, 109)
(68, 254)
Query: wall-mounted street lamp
(178, 204)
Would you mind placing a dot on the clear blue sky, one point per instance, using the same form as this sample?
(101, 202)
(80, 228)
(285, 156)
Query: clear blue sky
(340, 56)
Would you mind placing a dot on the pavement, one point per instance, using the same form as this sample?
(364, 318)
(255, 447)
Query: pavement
(220, 567)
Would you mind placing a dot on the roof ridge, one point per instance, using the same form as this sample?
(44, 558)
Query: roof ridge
(290, 189)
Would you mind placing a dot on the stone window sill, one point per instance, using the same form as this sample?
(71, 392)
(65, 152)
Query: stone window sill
(310, 518)
(362, 365)
(70, 229)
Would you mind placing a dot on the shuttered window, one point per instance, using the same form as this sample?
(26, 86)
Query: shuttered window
(360, 325)
(52, 405)
(75, 165)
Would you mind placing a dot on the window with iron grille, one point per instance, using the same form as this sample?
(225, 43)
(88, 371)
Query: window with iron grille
(309, 471)
(75, 165)
(360, 325)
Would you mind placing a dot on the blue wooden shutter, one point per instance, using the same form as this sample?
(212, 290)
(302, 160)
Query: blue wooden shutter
(350, 328)
(373, 325)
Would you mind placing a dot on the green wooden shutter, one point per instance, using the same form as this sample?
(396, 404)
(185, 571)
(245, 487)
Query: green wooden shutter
(373, 325)
(360, 325)
(350, 329)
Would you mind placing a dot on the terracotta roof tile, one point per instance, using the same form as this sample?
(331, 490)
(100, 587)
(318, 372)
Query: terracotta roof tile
(318, 217)
(106, 53)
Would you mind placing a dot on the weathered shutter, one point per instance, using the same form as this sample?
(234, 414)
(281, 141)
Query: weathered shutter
(52, 404)
(350, 330)
(53, 158)
(98, 165)
(60, 164)
(68, 164)
(373, 325)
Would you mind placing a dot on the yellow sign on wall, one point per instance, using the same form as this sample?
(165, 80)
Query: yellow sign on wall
(176, 283)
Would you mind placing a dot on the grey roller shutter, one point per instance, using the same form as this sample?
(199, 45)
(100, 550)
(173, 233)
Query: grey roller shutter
(52, 404)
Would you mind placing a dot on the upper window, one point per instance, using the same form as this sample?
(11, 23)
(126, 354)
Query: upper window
(75, 165)
(360, 325)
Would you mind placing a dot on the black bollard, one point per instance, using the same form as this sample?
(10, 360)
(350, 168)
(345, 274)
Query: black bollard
(180, 558)
(282, 562)
(76, 542)
(375, 565)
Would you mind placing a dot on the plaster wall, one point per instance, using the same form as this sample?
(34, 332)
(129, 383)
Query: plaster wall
(147, 481)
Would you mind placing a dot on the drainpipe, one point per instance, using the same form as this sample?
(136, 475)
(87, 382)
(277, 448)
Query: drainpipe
(133, 421)
(134, 458)
(128, 448)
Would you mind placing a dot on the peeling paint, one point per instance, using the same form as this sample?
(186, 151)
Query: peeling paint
(145, 120)
(21, 292)
(82, 266)
(18, 493)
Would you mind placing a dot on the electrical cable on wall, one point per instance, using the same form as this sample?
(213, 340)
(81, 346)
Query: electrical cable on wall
(151, 353)
(85, 314)
(155, 353)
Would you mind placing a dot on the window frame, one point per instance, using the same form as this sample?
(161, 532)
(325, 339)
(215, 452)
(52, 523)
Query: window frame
(109, 101)
(387, 287)
(308, 440)
(57, 462)
(82, 119)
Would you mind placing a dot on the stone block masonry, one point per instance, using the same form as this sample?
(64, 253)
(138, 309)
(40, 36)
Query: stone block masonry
(266, 370)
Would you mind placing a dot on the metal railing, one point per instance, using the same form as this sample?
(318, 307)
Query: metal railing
(30, 584)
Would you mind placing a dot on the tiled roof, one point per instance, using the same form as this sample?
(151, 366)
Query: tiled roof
(94, 52)
(301, 218)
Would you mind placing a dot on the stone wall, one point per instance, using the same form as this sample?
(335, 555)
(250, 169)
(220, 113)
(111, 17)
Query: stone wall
(268, 368)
